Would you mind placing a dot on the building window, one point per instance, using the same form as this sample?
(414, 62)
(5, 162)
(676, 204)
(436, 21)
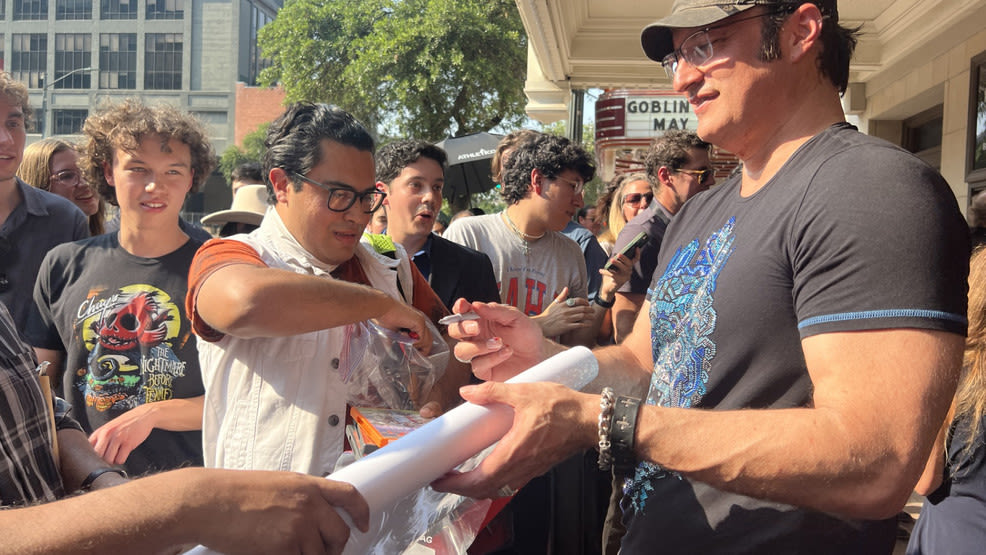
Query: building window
(976, 141)
(68, 122)
(922, 135)
(73, 52)
(118, 9)
(30, 9)
(73, 9)
(118, 61)
(162, 61)
(256, 62)
(165, 9)
(28, 56)
(3, 9)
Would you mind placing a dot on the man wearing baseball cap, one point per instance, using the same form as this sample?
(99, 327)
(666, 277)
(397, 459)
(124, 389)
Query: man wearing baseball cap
(800, 342)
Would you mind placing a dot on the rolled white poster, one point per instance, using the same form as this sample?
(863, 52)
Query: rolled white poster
(399, 469)
(426, 454)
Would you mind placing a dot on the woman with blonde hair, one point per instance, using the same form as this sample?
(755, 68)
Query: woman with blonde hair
(53, 165)
(626, 196)
(954, 480)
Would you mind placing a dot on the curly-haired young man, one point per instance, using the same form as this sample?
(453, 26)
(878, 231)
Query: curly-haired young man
(109, 312)
(542, 177)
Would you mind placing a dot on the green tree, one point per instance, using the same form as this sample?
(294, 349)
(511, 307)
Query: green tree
(252, 151)
(408, 68)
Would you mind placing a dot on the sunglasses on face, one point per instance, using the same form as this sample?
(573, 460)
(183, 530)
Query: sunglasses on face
(700, 175)
(635, 198)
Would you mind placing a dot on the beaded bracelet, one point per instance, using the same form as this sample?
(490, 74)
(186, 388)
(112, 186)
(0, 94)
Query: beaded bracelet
(622, 431)
(606, 402)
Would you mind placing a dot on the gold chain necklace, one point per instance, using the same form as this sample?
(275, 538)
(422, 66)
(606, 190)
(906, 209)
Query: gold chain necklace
(525, 246)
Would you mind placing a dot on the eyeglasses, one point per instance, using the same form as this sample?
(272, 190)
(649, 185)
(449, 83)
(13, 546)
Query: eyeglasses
(635, 198)
(68, 178)
(701, 175)
(577, 186)
(696, 49)
(342, 198)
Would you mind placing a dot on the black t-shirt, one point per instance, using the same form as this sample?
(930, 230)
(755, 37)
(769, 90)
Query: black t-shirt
(121, 321)
(851, 234)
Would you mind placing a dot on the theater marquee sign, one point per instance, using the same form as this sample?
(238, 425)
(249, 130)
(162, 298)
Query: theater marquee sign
(643, 116)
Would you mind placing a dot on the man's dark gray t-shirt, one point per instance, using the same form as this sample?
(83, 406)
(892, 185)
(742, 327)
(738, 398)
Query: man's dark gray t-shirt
(851, 234)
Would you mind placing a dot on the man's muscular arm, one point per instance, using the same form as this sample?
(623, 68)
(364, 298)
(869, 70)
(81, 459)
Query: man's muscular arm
(879, 399)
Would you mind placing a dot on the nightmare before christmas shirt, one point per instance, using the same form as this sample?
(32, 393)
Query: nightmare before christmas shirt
(120, 320)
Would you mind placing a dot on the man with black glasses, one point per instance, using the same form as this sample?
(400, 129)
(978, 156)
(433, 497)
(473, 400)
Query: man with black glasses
(271, 307)
(784, 382)
(678, 163)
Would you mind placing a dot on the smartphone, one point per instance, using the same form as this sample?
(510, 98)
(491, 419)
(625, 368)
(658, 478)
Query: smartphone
(628, 250)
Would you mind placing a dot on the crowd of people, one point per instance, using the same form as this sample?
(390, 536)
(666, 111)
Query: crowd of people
(770, 380)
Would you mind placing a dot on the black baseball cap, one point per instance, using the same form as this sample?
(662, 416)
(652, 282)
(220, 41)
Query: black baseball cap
(685, 14)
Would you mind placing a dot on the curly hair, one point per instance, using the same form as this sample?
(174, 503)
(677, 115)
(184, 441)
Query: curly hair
(838, 42)
(125, 125)
(294, 139)
(671, 150)
(505, 147)
(550, 155)
(35, 170)
(16, 93)
(393, 157)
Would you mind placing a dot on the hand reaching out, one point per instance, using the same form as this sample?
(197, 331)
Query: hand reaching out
(564, 315)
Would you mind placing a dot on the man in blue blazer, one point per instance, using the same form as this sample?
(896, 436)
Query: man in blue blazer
(412, 173)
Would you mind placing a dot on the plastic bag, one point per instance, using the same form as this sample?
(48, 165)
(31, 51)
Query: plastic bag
(426, 522)
(382, 368)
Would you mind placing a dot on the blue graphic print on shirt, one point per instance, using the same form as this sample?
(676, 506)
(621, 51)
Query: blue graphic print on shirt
(682, 322)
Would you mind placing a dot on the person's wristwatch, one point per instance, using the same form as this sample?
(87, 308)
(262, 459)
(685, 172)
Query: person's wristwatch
(605, 304)
(87, 483)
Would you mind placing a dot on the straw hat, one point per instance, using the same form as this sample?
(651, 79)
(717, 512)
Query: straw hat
(249, 206)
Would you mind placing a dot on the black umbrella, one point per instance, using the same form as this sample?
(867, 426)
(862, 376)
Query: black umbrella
(469, 164)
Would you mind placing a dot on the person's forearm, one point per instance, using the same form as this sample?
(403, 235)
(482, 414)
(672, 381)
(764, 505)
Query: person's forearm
(795, 456)
(246, 301)
(78, 459)
(91, 523)
(622, 370)
(177, 415)
(856, 451)
(626, 307)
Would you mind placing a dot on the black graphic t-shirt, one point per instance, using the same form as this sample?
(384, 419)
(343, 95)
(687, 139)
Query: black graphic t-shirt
(121, 321)
(851, 234)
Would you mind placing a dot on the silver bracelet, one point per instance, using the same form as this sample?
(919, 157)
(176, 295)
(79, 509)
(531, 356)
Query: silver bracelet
(606, 403)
